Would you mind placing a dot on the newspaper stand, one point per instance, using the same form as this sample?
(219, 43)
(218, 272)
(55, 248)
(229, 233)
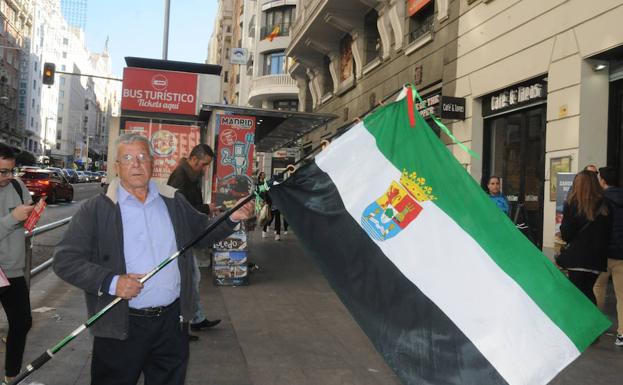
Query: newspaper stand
(229, 260)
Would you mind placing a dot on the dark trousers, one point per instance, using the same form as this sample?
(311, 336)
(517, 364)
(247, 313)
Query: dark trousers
(16, 302)
(584, 281)
(156, 346)
(277, 218)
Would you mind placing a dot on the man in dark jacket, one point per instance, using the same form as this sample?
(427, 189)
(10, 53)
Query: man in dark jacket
(112, 241)
(186, 178)
(608, 178)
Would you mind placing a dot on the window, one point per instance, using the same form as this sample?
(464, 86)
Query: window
(286, 105)
(64, 55)
(63, 67)
(61, 94)
(275, 63)
(61, 106)
(372, 37)
(60, 120)
(421, 21)
(226, 76)
(58, 134)
(65, 41)
(62, 81)
(58, 146)
(281, 17)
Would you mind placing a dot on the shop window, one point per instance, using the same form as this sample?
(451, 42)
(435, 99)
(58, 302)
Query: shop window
(286, 105)
(275, 63)
(372, 37)
(347, 64)
(421, 18)
(277, 21)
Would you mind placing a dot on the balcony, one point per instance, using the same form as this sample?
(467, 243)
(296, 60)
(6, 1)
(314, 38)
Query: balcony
(284, 30)
(271, 87)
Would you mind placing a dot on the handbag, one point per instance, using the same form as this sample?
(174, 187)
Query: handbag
(562, 256)
(266, 215)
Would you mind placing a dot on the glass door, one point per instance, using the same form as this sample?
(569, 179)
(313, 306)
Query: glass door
(515, 151)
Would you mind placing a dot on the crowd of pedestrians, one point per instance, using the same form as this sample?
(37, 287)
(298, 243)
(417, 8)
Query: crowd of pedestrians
(592, 229)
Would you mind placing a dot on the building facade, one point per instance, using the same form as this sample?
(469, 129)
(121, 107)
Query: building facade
(540, 82)
(15, 39)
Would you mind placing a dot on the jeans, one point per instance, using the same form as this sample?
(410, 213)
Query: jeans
(199, 313)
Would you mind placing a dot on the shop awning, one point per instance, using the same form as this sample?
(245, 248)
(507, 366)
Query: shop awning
(274, 129)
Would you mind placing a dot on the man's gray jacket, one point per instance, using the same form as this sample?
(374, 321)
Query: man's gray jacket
(91, 254)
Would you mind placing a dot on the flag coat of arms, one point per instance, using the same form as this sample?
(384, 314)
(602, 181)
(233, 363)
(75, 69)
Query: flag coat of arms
(441, 281)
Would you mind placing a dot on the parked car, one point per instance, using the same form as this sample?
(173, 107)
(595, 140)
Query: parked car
(93, 176)
(72, 175)
(82, 177)
(48, 184)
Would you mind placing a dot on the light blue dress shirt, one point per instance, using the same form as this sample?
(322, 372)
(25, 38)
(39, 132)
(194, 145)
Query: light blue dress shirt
(148, 239)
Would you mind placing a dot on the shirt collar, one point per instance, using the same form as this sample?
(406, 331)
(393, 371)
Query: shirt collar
(125, 196)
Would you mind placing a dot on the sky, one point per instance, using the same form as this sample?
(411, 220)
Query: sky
(135, 28)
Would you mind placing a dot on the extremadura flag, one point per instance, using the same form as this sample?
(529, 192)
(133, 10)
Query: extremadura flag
(441, 281)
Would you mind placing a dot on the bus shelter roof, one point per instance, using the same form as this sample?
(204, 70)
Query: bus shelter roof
(275, 129)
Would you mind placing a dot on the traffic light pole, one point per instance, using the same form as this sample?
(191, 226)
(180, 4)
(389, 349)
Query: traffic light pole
(91, 76)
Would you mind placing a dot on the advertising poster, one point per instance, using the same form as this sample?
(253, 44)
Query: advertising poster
(564, 180)
(159, 91)
(234, 159)
(169, 142)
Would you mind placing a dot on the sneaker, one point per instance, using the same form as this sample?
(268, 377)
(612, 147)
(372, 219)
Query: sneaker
(619, 340)
(264, 234)
(277, 237)
(285, 232)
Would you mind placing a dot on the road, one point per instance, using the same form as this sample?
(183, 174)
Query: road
(43, 244)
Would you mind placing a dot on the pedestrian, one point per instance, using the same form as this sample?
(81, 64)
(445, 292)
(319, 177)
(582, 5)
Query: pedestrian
(608, 178)
(186, 178)
(586, 227)
(591, 168)
(14, 209)
(111, 242)
(495, 193)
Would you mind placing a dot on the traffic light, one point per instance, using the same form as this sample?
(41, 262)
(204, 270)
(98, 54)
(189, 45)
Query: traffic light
(48, 73)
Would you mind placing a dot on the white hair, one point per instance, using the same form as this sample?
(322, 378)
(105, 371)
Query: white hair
(133, 138)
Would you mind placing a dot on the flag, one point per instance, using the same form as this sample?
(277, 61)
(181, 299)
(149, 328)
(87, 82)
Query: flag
(274, 33)
(441, 281)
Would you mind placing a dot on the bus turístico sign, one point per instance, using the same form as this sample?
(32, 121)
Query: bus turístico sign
(162, 91)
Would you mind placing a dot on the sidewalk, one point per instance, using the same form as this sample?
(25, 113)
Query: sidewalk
(286, 328)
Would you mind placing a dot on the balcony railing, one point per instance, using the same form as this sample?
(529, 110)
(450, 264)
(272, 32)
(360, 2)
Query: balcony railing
(273, 80)
(305, 9)
(284, 30)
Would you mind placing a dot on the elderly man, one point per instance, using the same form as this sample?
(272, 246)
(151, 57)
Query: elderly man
(185, 178)
(112, 241)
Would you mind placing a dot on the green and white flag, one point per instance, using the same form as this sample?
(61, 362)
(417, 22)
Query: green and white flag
(444, 285)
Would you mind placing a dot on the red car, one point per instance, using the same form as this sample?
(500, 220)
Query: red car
(49, 184)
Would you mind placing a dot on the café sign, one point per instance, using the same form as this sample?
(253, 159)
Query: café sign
(445, 107)
(520, 95)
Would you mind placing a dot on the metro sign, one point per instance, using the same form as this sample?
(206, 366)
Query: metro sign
(159, 91)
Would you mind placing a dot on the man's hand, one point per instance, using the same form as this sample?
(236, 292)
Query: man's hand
(245, 212)
(129, 286)
(22, 212)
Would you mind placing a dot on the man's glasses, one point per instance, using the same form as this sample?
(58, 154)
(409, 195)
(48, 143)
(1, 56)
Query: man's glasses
(8, 171)
(129, 159)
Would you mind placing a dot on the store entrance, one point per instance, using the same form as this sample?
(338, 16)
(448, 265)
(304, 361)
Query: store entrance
(515, 151)
(615, 129)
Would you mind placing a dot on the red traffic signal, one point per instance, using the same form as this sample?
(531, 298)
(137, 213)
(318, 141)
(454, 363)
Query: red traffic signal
(49, 69)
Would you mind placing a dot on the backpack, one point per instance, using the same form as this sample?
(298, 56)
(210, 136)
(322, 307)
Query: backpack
(18, 189)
